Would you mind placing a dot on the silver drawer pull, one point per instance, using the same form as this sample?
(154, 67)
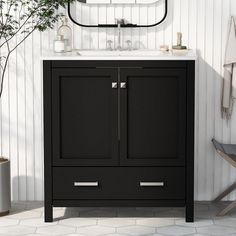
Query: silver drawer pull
(114, 85)
(123, 85)
(151, 184)
(86, 184)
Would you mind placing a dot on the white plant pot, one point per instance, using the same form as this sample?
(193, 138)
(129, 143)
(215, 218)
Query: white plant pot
(5, 191)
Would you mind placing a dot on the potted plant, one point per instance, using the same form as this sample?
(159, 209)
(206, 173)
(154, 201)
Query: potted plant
(5, 192)
(18, 20)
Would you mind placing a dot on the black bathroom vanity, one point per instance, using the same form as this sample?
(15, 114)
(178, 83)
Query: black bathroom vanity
(119, 131)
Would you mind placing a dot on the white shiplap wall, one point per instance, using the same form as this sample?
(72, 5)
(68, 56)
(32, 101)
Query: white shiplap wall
(204, 25)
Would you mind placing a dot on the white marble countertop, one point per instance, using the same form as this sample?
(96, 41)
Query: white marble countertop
(120, 55)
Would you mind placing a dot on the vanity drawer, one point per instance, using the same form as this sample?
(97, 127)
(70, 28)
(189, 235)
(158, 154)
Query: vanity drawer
(118, 183)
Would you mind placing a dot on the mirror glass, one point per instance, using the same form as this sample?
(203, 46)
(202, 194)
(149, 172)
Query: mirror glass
(101, 14)
(118, 1)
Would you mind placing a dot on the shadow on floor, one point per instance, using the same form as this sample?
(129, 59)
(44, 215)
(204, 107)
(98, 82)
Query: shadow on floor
(202, 210)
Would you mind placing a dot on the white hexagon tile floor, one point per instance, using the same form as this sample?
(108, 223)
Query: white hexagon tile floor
(27, 219)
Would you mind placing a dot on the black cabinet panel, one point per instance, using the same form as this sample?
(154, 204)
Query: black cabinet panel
(119, 133)
(118, 183)
(84, 117)
(153, 117)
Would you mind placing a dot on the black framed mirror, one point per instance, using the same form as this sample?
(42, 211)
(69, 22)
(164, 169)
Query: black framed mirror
(126, 7)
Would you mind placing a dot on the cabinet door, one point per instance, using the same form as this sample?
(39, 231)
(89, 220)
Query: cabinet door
(153, 117)
(84, 117)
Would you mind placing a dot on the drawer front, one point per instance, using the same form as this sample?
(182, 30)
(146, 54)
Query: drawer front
(118, 183)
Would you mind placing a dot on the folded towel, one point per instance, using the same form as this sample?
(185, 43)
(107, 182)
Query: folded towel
(229, 84)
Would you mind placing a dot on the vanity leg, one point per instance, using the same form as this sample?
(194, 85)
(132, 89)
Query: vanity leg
(189, 217)
(190, 143)
(48, 217)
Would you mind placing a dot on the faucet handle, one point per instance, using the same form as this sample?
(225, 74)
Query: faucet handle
(129, 45)
(109, 45)
(120, 21)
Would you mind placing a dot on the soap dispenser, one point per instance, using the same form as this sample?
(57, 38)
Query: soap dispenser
(66, 32)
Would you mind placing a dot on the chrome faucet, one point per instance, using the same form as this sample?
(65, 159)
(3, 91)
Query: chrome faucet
(119, 22)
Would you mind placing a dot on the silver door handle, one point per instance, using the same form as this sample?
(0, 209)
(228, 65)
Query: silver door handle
(114, 85)
(123, 85)
(151, 184)
(86, 184)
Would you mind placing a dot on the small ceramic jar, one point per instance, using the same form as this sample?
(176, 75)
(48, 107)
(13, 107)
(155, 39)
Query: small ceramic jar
(59, 44)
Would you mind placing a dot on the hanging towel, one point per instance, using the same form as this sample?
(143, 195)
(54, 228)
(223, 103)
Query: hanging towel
(229, 84)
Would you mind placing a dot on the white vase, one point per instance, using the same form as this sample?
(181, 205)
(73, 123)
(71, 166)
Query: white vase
(5, 191)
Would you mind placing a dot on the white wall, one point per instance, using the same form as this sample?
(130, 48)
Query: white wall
(204, 25)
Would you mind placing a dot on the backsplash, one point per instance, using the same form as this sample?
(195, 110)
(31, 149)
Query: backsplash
(204, 27)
